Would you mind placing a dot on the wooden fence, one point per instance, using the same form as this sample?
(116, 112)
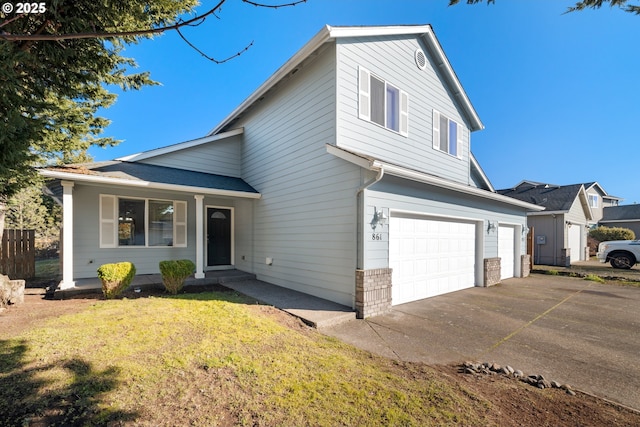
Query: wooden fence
(18, 254)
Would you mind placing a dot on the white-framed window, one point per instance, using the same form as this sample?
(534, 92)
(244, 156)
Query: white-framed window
(130, 221)
(447, 134)
(593, 200)
(382, 103)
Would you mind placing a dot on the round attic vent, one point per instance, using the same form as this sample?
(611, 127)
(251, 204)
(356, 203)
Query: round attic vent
(421, 59)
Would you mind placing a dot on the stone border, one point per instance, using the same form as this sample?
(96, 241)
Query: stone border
(538, 381)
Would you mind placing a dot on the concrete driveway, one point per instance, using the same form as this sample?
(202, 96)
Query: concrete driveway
(569, 330)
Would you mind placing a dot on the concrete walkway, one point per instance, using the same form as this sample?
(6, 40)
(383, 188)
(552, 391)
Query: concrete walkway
(315, 312)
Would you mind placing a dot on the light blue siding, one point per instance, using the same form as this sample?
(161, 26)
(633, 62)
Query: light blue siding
(400, 195)
(218, 157)
(88, 255)
(306, 219)
(392, 59)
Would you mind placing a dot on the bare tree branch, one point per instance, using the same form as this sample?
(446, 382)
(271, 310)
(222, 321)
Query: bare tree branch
(148, 31)
(210, 58)
(45, 37)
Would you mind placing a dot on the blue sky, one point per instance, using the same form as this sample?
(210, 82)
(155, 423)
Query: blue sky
(558, 93)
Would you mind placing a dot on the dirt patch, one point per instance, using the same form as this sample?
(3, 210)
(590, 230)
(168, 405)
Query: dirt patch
(513, 403)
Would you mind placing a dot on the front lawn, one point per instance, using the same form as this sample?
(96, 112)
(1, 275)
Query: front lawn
(212, 359)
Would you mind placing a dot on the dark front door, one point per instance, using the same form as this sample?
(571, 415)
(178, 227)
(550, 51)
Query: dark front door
(218, 236)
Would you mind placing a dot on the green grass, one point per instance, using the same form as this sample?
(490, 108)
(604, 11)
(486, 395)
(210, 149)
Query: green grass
(594, 278)
(552, 272)
(208, 359)
(47, 268)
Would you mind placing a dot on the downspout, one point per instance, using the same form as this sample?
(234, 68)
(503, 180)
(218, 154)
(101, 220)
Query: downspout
(360, 205)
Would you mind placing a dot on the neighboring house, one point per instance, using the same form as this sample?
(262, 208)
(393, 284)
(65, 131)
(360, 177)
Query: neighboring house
(622, 216)
(347, 175)
(598, 200)
(560, 231)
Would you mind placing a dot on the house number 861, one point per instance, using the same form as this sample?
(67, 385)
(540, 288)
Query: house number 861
(376, 236)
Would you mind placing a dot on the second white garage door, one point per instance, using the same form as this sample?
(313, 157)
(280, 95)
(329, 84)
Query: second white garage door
(506, 251)
(430, 257)
(575, 242)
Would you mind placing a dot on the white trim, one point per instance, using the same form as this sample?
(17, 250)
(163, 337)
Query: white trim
(328, 33)
(113, 223)
(484, 176)
(67, 236)
(364, 94)
(439, 182)
(604, 221)
(404, 114)
(376, 165)
(180, 146)
(177, 224)
(145, 184)
(231, 237)
(199, 236)
(459, 92)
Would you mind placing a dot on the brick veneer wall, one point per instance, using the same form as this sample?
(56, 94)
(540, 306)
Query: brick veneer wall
(491, 271)
(525, 265)
(373, 292)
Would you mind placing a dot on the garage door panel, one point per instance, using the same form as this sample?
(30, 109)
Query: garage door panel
(506, 251)
(430, 257)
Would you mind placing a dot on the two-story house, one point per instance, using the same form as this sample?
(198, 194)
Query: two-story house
(347, 175)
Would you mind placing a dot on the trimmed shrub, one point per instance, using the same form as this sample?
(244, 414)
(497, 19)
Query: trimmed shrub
(174, 274)
(606, 234)
(116, 278)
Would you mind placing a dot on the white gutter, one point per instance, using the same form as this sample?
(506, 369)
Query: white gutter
(390, 169)
(146, 184)
(442, 183)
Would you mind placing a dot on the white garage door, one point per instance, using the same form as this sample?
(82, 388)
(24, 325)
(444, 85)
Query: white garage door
(430, 257)
(574, 242)
(506, 251)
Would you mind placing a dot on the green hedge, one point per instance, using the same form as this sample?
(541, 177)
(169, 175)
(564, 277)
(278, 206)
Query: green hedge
(174, 273)
(116, 278)
(607, 234)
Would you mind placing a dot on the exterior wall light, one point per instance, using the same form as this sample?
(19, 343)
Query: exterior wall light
(379, 218)
(491, 226)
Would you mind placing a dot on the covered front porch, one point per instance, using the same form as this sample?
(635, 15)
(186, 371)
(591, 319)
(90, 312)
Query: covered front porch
(144, 214)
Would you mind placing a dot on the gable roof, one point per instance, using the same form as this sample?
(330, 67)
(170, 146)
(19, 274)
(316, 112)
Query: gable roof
(132, 174)
(621, 213)
(555, 198)
(329, 34)
(605, 195)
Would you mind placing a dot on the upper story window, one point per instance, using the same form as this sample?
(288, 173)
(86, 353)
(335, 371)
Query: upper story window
(142, 222)
(382, 103)
(447, 134)
(593, 200)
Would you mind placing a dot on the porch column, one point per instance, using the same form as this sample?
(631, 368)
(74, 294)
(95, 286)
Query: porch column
(199, 237)
(67, 235)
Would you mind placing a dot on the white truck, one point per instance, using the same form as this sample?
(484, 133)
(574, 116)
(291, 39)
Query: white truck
(620, 253)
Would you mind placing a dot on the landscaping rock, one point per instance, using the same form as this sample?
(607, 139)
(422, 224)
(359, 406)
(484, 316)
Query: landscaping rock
(11, 291)
(492, 368)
